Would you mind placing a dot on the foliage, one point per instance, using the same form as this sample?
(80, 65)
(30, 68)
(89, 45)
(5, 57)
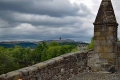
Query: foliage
(19, 57)
(91, 44)
(7, 61)
(118, 40)
(53, 44)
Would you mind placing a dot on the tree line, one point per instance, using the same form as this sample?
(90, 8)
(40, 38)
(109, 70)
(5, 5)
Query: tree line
(18, 57)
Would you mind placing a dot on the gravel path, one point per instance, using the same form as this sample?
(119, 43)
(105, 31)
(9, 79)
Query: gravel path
(96, 76)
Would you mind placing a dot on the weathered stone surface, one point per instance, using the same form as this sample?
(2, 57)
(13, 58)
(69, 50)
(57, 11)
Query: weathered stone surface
(104, 49)
(93, 62)
(108, 49)
(104, 10)
(96, 43)
(105, 33)
(58, 59)
(97, 33)
(111, 28)
(59, 68)
(14, 75)
(40, 65)
(96, 76)
(111, 33)
(100, 37)
(2, 77)
(104, 43)
(107, 55)
(110, 37)
(50, 62)
(32, 69)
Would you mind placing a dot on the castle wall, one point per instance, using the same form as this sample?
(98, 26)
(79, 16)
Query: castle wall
(59, 68)
(105, 38)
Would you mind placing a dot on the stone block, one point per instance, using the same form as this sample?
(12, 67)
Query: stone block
(99, 49)
(2, 77)
(104, 49)
(102, 42)
(96, 33)
(110, 33)
(40, 65)
(103, 60)
(110, 38)
(14, 75)
(103, 33)
(24, 71)
(107, 55)
(111, 28)
(99, 37)
(32, 69)
(50, 62)
(96, 68)
(96, 29)
(58, 59)
(108, 49)
(93, 61)
(110, 43)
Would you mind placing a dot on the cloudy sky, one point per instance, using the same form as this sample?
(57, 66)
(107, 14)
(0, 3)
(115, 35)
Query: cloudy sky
(49, 19)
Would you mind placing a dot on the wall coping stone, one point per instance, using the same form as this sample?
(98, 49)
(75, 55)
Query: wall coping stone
(14, 75)
(50, 61)
(17, 74)
(40, 65)
(58, 59)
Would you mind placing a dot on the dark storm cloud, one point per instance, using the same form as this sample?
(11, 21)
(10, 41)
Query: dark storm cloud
(44, 19)
(43, 7)
(20, 10)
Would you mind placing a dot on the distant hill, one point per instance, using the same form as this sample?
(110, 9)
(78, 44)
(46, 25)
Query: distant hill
(24, 44)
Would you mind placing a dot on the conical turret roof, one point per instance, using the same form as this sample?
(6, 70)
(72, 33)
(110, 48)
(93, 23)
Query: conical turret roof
(105, 13)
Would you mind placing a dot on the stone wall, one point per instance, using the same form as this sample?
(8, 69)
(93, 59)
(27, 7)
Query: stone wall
(105, 36)
(59, 68)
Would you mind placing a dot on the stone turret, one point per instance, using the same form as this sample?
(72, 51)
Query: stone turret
(105, 36)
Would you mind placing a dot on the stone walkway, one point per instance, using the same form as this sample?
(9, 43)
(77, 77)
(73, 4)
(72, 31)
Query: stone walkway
(96, 76)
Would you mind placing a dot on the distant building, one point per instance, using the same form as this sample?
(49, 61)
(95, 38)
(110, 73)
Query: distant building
(81, 46)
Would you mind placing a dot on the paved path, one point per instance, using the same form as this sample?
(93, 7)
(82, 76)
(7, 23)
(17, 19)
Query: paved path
(96, 76)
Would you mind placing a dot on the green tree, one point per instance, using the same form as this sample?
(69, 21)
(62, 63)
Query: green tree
(53, 44)
(44, 55)
(7, 63)
(16, 54)
(37, 53)
(91, 44)
(19, 57)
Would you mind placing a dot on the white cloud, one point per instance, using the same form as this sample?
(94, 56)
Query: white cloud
(43, 18)
(3, 23)
(49, 19)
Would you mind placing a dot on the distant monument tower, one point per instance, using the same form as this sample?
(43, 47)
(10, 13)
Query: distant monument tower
(105, 37)
(60, 39)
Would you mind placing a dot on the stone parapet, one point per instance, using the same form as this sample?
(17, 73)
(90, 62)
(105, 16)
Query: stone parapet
(59, 68)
